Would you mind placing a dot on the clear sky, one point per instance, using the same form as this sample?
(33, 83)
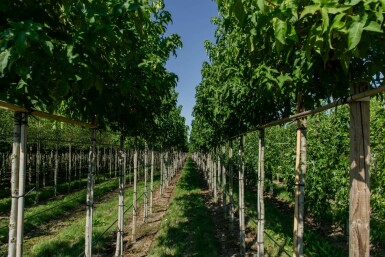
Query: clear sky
(191, 20)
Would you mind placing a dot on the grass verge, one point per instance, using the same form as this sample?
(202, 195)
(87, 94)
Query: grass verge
(187, 229)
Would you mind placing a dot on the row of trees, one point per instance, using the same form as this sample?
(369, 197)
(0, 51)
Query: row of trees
(272, 59)
(100, 62)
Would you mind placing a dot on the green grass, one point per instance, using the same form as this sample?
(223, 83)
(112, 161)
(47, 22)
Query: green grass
(70, 239)
(46, 193)
(187, 228)
(279, 225)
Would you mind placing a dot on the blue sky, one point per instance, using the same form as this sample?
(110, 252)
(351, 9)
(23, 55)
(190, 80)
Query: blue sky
(191, 20)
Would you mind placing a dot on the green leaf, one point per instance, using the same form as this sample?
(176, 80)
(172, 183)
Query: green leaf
(280, 30)
(261, 5)
(21, 43)
(325, 19)
(374, 27)
(335, 10)
(310, 9)
(239, 11)
(355, 33)
(4, 57)
(49, 46)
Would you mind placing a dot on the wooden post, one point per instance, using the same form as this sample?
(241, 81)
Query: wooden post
(90, 195)
(359, 202)
(122, 184)
(22, 175)
(300, 172)
(261, 204)
(14, 186)
(242, 231)
(134, 213)
(152, 182)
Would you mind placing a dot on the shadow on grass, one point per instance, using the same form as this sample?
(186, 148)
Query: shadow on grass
(187, 229)
(280, 222)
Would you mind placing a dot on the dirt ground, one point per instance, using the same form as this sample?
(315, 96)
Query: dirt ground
(146, 231)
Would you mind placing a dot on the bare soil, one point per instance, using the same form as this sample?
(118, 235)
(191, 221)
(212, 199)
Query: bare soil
(146, 230)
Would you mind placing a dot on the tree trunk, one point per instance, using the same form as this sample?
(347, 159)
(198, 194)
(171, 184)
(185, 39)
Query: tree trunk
(215, 176)
(261, 204)
(22, 173)
(134, 211)
(56, 169)
(242, 233)
(122, 184)
(359, 203)
(224, 186)
(145, 216)
(90, 195)
(14, 186)
(161, 173)
(152, 182)
(38, 167)
(300, 170)
(231, 186)
(69, 167)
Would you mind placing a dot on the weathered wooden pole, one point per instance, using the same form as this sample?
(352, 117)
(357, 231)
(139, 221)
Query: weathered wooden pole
(22, 176)
(300, 173)
(261, 204)
(242, 230)
(134, 211)
(90, 195)
(359, 202)
(152, 182)
(122, 184)
(161, 172)
(14, 185)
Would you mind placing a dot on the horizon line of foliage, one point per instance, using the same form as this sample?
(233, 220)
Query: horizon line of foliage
(97, 61)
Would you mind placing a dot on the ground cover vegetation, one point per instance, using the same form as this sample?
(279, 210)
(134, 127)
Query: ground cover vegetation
(187, 229)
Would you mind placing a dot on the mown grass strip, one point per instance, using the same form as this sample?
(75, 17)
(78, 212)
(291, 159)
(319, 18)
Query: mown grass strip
(187, 228)
(69, 240)
(54, 209)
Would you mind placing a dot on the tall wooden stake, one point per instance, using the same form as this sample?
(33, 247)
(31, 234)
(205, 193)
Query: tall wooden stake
(90, 195)
(14, 186)
(261, 204)
(134, 211)
(359, 202)
(300, 172)
(22, 176)
(242, 231)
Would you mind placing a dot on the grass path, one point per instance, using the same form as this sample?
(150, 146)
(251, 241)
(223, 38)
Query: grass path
(187, 228)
